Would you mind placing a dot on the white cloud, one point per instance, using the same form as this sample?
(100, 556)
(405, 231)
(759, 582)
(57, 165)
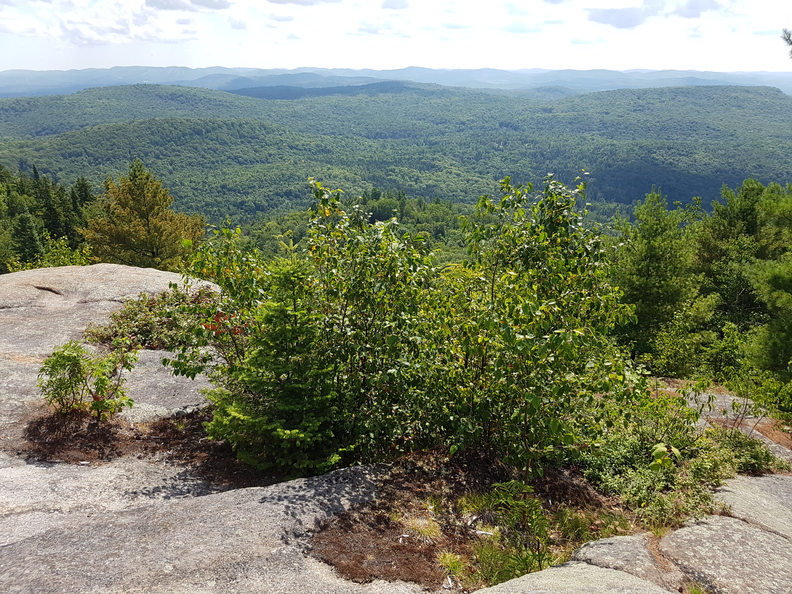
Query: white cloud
(374, 28)
(304, 2)
(106, 22)
(520, 28)
(626, 18)
(695, 34)
(513, 10)
(188, 4)
(577, 41)
(692, 9)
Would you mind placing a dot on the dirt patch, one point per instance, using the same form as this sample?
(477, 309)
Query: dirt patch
(775, 431)
(418, 517)
(376, 542)
(76, 438)
(369, 545)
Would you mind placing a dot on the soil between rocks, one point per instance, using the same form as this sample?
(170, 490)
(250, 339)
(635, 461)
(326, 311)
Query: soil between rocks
(75, 438)
(776, 432)
(372, 543)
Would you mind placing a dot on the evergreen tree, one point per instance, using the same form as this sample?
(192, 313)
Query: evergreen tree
(81, 193)
(654, 267)
(135, 225)
(26, 238)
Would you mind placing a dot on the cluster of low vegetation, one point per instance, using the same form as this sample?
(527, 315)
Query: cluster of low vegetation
(531, 338)
(72, 379)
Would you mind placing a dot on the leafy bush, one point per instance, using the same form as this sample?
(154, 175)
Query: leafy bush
(526, 327)
(747, 454)
(313, 354)
(360, 349)
(161, 321)
(70, 378)
(667, 494)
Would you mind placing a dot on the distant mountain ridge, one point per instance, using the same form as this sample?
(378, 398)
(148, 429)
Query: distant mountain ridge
(20, 83)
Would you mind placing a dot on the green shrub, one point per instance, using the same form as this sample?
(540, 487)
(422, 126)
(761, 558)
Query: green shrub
(161, 321)
(671, 493)
(748, 454)
(70, 378)
(360, 349)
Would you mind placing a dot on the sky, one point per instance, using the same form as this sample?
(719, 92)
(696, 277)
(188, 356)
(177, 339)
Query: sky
(714, 35)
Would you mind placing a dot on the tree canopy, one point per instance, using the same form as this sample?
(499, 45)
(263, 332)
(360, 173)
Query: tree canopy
(134, 224)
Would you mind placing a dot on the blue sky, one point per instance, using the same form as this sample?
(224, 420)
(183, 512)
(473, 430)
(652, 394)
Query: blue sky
(718, 35)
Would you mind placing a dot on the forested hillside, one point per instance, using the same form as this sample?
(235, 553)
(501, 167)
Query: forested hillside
(223, 154)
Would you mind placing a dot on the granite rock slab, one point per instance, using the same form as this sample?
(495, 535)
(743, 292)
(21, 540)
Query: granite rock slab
(245, 540)
(576, 578)
(43, 308)
(764, 501)
(728, 555)
(633, 555)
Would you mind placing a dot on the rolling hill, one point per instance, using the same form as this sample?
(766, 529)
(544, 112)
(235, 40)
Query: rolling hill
(222, 153)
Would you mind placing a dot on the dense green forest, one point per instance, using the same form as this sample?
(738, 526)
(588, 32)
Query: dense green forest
(223, 154)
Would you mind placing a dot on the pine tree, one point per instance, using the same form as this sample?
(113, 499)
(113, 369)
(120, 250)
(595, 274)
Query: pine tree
(26, 238)
(136, 226)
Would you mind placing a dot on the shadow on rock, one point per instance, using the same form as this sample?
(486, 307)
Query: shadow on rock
(73, 436)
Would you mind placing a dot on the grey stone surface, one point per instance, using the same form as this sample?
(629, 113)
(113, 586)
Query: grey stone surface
(576, 578)
(43, 308)
(157, 393)
(765, 501)
(247, 540)
(38, 496)
(633, 555)
(730, 555)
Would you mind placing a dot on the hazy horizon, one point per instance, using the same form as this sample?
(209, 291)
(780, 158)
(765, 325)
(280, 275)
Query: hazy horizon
(620, 35)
